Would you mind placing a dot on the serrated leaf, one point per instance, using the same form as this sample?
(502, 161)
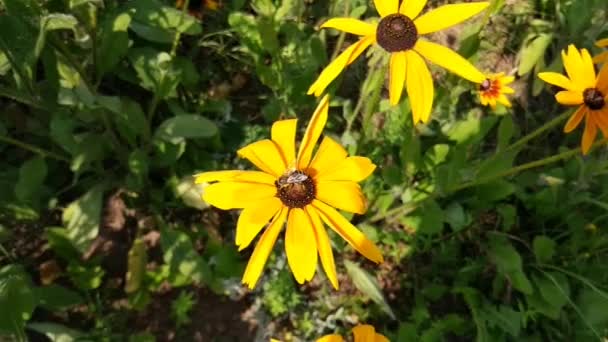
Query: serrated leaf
(81, 218)
(368, 285)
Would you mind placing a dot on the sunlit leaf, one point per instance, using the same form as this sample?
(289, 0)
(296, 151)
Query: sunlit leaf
(368, 285)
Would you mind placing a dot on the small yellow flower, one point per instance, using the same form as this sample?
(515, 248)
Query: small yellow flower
(399, 33)
(493, 88)
(603, 56)
(301, 190)
(582, 89)
(362, 333)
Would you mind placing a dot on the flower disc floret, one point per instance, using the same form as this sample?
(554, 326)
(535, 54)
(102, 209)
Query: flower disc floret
(295, 189)
(396, 32)
(594, 99)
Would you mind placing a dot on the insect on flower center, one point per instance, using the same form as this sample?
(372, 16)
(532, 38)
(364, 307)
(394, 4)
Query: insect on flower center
(594, 99)
(396, 32)
(295, 189)
(490, 87)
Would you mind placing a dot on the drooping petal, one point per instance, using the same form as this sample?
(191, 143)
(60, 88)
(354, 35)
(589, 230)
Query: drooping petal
(575, 119)
(262, 250)
(601, 120)
(313, 132)
(283, 133)
(397, 76)
(381, 338)
(351, 25)
(602, 80)
(450, 60)
(601, 58)
(386, 7)
(337, 65)
(589, 134)
(235, 176)
(348, 232)
(331, 338)
(556, 79)
(420, 88)
(301, 245)
(329, 154)
(364, 333)
(412, 8)
(569, 98)
(237, 195)
(265, 155)
(447, 15)
(323, 244)
(342, 195)
(602, 43)
(354, 169)
(254, 218)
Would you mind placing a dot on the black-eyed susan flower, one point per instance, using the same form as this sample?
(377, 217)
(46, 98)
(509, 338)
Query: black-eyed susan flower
(400, 32)
(583, 89)
(298, 189)
(361, 333)
(195, 7)
(493, 90)
(602, 57)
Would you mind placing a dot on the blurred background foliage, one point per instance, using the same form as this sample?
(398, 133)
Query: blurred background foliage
(110, 106)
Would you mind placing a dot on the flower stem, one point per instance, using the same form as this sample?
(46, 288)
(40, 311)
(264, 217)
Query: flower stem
(556, 121)
(34, 149)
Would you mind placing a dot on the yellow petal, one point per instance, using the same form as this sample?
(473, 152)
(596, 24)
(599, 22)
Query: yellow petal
(575, 68)
(265, 155)
(236, 195)
(504, 100)
(354, 169)
(386, 7)
(254, 218)
(420, 88)
(313, 131)
(342, 195)
(588, 69)
(602, 43)
(329, 154)
(450, 60)
(412, 8)
(589, 134)
(601, 58)
(262, 250)
(575, 119)
(447, 15)
(381, 338)
(337, 65)
(330, 338)
(507, 90)
(602, 80)
(236, 176)
(397, 76)
(348, 232)
(301, 245)
(364, 333)
(557, 80)
(351, 25)
(507, 80)
(569, 98)
(283, 133)
(324, 245)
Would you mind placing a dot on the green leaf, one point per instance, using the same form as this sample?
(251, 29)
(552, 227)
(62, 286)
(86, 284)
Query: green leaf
(506, 129)
(368, 285)
(504, 318)
(160, 24)
(436, 155)
(56, 297)
(456, 217)
(471, 130)
(554, 288)
(85, 277)
(246, 27)
(191, 193)
(136, 266)
(52, 22)
(427, 219)
(185, 265)
(494, 191)
(56, 332)
(16, 298)
(114, 41)
(508, 263)
(81, 218)
(31, 178)
(544, 248)
(181, 127)
(61, 244)
(156, 71)
(18, 42)
(533, 50)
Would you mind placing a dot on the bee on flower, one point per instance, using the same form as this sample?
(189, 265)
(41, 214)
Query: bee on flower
(300, 191)
(400, 32)
(494, 88)
(584, 89)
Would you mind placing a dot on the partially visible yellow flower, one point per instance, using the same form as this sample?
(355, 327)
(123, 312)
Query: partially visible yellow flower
(299, 189)
(493, 88)
(399, 33)
(362, 333)
(583, 89)
(603, 56)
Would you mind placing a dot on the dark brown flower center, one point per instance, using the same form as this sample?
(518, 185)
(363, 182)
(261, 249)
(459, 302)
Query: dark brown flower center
(396, 32)
(485, 85)
(594, 99)
(295, 189)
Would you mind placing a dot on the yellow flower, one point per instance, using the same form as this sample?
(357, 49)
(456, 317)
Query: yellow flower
(493, 88)
(399, 33)
(603, 56)
(298, 189)
(584, 89)
(362, 333)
